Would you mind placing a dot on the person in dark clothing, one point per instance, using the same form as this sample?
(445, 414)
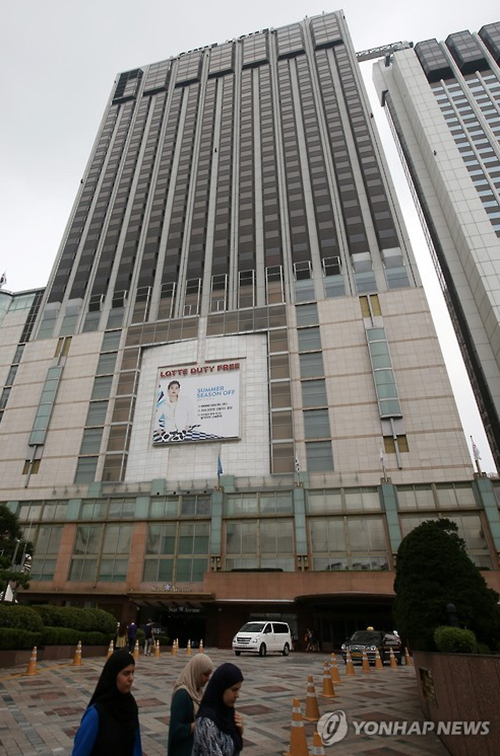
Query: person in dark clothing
(186, 698)
(148, 638)
(131, 632)
(110, 724)
(219, 728)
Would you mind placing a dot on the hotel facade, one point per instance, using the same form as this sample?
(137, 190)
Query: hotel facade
(442, 100)
(229, 402)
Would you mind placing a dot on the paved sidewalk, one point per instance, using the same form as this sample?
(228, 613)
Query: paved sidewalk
(39, 714)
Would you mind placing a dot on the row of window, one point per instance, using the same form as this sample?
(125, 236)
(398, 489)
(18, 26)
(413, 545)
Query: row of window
(180, 551)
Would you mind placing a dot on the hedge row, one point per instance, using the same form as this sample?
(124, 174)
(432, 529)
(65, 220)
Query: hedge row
(26, 626)
(79, 619)
(11, 639)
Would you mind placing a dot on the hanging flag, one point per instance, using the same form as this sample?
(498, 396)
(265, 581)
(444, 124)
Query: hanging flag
(297, 465)
(219, 465)
(3, 279)
(475, 451)
(381, 455)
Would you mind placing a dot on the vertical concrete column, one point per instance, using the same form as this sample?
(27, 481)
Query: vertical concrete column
(389, 505)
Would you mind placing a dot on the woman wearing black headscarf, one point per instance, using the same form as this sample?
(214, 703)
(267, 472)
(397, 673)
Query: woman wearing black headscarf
(219, 728)
(110, 724)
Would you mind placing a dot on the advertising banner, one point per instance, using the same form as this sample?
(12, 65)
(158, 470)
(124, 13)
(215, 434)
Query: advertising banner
(197, 403)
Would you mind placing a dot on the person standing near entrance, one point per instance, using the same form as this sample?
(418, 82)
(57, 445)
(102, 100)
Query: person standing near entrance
(131, 632)
(148, 637)
(186, 698)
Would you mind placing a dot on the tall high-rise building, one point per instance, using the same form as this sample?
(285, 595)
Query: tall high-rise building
(443, 102)
(230, 402)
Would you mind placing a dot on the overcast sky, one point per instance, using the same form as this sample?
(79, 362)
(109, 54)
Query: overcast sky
(59, 59)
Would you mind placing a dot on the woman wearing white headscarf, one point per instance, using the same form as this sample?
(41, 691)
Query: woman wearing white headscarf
(186, 698)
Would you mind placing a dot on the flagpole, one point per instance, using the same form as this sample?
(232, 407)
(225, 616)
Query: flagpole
(382, 461)
(476, 455)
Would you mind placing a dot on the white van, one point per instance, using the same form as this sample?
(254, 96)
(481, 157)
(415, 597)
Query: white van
(259, 637)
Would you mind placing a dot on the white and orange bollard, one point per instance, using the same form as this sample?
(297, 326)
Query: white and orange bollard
(334, 670)
(317, 747)
(188, 648)
(392, 659)
(349, 666)
(136, 651)
(378, 661)
(298, 741)
(110, 649)
(77, 659)
(157, 649)
(328, 689)
(365, 664)
(201, 650)
(312, 708)
(31, 670)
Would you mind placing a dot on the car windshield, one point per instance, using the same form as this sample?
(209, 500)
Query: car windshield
(366, 636)
(253, 627)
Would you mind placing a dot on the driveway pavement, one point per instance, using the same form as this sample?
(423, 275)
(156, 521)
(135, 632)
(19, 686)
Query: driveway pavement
(39, 714)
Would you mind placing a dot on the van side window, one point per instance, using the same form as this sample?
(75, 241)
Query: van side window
(268, 629)
(280, 627)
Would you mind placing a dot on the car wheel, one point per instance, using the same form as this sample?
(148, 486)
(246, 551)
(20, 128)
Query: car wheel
(262, 649)
(286, 649)
(237, 653)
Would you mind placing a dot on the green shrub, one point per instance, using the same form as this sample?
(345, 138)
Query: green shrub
(482, 648)
(85, 620)
(103, 621)
(454, 640)
(51, 615)
(95, 638)
(14, 638)
(67, 636)
(22, 617)
(60, 636)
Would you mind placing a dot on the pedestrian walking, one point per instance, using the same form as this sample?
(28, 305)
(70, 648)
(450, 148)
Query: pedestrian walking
(186, 699)
(219, 727)
(148, 637)
(110, 724)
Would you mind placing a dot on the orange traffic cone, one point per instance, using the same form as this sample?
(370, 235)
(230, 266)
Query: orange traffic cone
(188, 648)
(110, 649)
(298, 742)
(157, 649)
(136, 652)
(200, 648)
(334, 670)
(365, 664)
(328, 691)
(317, 749)
(32, 663)
(312, 709)
(392, 659)
(408, 659)
(349, 666)
(77, 659)
(378, 661)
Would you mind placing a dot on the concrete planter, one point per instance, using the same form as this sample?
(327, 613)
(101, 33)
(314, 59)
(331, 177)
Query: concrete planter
(462, 688)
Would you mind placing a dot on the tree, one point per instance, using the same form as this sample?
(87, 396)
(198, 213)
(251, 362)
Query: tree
(433, 571)
(13, 551)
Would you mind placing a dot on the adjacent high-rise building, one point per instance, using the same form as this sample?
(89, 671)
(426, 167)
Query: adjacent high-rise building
(443, 102)
(230, 402)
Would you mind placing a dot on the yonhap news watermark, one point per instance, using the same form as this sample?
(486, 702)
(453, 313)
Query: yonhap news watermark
(334, 726)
